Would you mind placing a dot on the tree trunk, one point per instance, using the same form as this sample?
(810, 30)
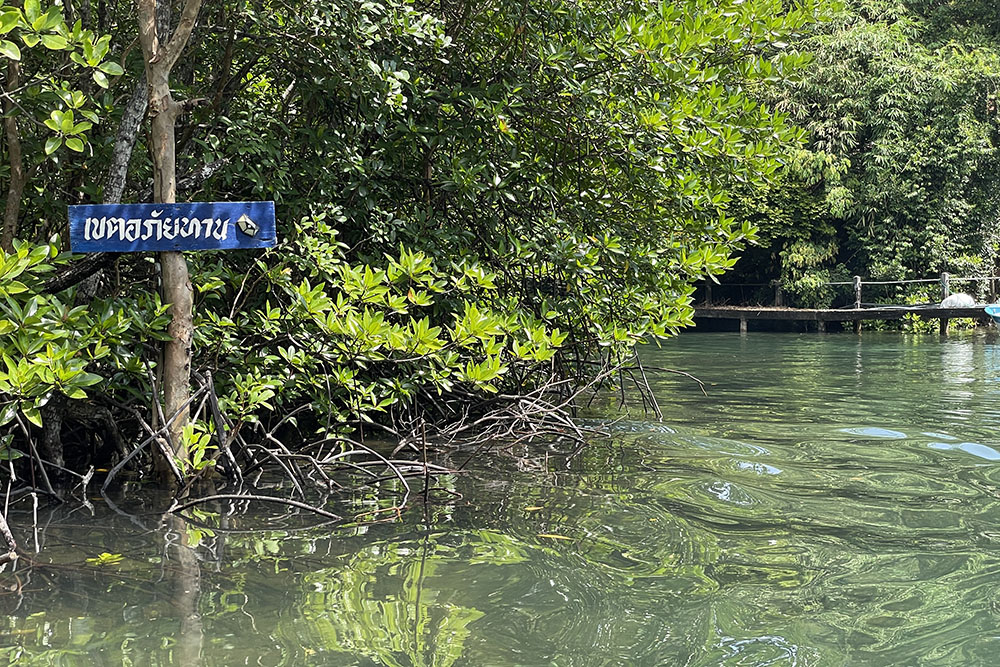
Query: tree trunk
(87, 271)
(128, 131)
(15, 189)
(175, 282)
(160, 58)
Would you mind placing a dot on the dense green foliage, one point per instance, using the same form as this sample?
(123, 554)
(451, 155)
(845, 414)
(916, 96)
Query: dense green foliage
(899, 178)
(471, 199)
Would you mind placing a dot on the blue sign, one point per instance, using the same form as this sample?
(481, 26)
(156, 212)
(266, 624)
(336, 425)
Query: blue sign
(191, 226)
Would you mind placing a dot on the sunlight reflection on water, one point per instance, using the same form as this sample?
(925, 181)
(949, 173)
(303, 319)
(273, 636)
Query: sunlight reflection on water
(832, 501)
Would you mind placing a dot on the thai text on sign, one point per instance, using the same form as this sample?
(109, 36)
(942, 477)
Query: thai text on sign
(165, 227)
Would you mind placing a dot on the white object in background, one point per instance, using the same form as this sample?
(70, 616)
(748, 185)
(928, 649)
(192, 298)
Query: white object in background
(959, 300)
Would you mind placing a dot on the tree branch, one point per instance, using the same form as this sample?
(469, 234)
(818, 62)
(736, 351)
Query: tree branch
(180, 37)
(147, 29)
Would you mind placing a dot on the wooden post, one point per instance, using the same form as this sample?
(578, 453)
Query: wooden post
(945, 293)
(857, 302)
(743, 326)
(160, 53)
(778, 296)
(708, 291)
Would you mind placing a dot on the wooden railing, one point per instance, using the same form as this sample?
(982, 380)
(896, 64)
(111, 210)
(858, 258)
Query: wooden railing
(946, 281)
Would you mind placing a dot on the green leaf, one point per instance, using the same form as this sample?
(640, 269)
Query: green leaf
(111, 68)
(32, 9)
(8, 413)
(101, 78)
(54, 42)
(101, 47)
(52, 18)
(33, 415)
(106, 559)
(87, 379)
(52, 144)
(9, 50)
(9, 21)
(74, 144)
(29, 39)
(10, 454)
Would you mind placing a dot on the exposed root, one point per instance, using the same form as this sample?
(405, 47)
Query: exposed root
(336, 465)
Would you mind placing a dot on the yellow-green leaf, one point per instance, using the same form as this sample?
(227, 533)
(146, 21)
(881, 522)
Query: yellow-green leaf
(33, 415)
(32, 9)
(111, 68)
(106, 559)
(54, 42)
(9, 50)
(9, 21)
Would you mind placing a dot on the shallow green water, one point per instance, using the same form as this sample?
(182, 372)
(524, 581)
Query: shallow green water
(832, 501)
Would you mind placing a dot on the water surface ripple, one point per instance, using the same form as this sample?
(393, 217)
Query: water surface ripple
(832, 500)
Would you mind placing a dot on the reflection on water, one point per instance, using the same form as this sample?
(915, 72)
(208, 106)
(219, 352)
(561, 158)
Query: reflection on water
(832, 501)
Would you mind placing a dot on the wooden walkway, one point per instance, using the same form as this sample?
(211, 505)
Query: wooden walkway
(821, 316)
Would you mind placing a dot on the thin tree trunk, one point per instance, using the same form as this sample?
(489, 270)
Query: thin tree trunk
(15, 188)
(128, 131)
(87, 271)
(160, 57)
(175, 283)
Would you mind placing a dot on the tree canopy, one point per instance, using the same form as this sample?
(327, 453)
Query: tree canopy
(472, 200)
(898, 179)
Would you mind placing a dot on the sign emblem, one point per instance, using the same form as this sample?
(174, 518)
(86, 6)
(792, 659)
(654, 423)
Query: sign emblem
(247, 226)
